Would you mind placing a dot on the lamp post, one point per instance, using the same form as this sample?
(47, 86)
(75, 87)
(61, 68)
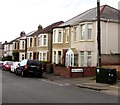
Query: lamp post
(98, 33)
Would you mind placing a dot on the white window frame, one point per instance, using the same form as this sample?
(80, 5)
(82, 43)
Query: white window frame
(59, 36)
(45, 57)
(66, 35)
(44, 39)
(54, 56)
(89, 31)
(59, 58)
(74, 33)
(31, 42)
(82, 58)
(41, 56)
(82, 32)
(54, 36)
(89, 58)
(23, 44)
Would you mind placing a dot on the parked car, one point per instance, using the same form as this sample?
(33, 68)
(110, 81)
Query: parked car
(7, 65)
(14, 66)
(27, 66)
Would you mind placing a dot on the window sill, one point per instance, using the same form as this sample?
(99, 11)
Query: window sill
(58, 43)
(86, 40)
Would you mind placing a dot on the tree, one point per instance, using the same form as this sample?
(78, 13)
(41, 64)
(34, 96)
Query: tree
(7, 58)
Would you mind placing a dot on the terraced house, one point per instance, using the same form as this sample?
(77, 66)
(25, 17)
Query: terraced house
(75, 41)
(39, 43)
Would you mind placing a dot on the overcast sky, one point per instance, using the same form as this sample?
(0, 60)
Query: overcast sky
(26, 15)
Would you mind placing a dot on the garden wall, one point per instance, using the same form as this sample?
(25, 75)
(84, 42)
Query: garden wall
(74, 72)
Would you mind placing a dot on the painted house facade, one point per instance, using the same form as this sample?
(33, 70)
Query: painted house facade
(8, 48)
(39, 44)
(19, 45)
(82, 46)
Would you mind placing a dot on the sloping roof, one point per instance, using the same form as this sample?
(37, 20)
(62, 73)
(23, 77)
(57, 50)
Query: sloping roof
(106, 12)
(47, 29)
(50, 27)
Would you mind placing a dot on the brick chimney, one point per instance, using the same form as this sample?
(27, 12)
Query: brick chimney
(6, 42)
(22, 34)
(40, 27)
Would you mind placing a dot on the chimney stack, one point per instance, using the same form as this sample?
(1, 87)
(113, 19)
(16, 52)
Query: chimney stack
(22, 34)
(40, 27)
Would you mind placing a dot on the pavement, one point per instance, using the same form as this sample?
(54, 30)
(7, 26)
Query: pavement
(84, 82)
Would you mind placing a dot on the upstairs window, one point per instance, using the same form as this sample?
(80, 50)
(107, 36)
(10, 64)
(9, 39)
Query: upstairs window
(23, 45)
(15, 45)
(54, 36)
(89, 31)
(35, 41)
(83, 32)
(59, 36)
(40, 40)
(75, 33)
(30, 42)
(44, 40)
(67, 35)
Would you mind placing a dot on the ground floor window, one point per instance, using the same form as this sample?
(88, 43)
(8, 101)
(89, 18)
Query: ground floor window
(89, 58)
(30, 56)
(23, 57)
(43, 56)
(40, 56)
(85, 58)
(57, 56)
(82, 58)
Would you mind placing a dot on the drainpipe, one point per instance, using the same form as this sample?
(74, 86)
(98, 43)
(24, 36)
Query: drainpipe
(26, 48)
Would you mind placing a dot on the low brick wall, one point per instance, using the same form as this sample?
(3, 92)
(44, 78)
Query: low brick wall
(62, 71)
(67, 72)
(87, 71)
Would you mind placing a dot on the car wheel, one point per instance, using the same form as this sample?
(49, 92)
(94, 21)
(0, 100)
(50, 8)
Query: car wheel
(10, 71)
(16, 72)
